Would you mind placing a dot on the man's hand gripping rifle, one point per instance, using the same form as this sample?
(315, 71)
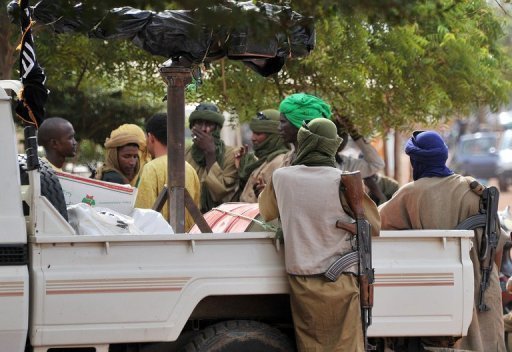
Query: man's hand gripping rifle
(351, 190)
(488, 220)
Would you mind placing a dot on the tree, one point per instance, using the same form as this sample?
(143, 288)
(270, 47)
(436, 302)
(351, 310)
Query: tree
(387, 64)
(8, 36)
(96, 85)
(384, 72)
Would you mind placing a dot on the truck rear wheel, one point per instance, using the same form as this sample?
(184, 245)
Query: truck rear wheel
(50, 185)
(240, 335)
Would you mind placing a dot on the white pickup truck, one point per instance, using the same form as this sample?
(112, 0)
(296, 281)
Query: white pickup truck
(192, 292)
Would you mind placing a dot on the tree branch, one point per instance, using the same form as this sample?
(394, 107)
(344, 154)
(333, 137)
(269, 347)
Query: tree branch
(81, 76)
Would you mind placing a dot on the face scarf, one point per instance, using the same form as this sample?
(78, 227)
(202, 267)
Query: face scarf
(428, 154)
(266, 121)
(317, 143)
(271, 147)
(303, 107)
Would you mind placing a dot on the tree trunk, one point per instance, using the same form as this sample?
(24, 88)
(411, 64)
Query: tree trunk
(7, 48)
(397, 152)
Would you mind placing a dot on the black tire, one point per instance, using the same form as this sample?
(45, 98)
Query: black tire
(238, 336)
(50, 185)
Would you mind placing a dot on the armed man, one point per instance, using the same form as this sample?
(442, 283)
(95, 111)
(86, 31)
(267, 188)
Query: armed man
(326, 308)
(440, 199)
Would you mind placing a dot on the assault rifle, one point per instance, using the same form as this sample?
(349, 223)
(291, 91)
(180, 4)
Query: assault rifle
(351, 190)
(488, 220)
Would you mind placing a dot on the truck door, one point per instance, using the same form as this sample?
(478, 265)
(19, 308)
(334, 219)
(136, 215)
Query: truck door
(13, 235)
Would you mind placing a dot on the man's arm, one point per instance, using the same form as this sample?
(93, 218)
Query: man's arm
(369, 165)
(222, 182)
(267, 202)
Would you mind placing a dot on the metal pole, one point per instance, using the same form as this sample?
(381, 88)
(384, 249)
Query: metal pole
(177, 78)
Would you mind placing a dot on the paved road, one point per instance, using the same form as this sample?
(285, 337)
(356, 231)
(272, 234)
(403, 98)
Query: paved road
(505, 197)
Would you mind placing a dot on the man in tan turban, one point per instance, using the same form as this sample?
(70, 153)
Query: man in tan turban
(125, 152)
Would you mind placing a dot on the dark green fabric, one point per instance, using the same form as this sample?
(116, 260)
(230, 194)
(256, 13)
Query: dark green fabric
(114, 177)
(266, 121)
(206, 201)
(198, 156)
(303, 107)
(317, 149)
(206, 115)
(271, 147)
(264, 126)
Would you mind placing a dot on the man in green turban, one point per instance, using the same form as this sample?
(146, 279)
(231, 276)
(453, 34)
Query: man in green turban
(213, 161)
(295, 109)
(326, 314)
(269, 150)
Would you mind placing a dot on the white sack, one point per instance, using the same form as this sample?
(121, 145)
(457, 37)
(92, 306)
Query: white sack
(97, 221)
(151, 222)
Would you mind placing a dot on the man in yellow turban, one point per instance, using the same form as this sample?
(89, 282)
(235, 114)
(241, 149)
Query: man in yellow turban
(125, 155)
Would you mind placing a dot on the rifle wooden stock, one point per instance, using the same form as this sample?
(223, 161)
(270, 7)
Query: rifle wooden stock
(366, 296)
(353, 184)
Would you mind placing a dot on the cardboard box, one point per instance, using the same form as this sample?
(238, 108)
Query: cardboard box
(78, 189)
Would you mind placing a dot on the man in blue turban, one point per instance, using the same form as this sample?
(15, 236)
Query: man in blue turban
(440, 199)
(428, 154)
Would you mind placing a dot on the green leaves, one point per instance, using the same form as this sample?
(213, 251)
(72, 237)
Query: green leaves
(387, 64)
(442, 58)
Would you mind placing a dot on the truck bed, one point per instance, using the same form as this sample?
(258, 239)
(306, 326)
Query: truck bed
(108, 289)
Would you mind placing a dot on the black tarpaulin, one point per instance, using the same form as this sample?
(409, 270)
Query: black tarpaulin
(264, 38)
(30, 106)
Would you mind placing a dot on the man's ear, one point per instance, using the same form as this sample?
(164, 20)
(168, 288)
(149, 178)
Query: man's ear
(149, 138)
(53, 143)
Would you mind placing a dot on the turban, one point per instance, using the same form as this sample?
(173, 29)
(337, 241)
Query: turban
(428, 154)
(317, 143)
(303, 107)
(126, 134)
(266, 121)
(207, 112)
(121, 136)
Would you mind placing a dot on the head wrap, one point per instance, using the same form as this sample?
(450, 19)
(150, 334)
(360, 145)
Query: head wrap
(207, 112)
(317, 143)
(428, 154)
(121, 136)
(303, 107)
(266, 121)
